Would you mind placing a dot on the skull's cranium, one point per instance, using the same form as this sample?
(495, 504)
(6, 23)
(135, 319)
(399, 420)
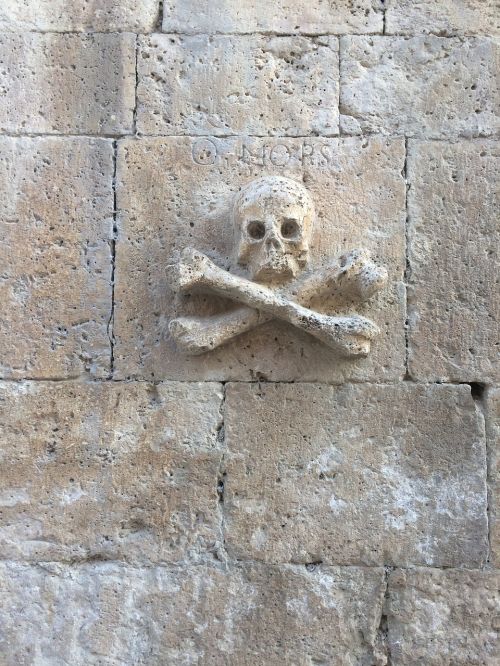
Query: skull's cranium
(273, 217)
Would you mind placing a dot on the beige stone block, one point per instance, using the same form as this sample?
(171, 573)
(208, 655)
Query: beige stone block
(361, 474)
(422, 86)
(443, 618)
(237, 84)
(103, 471)
(67, 84)
(75, 15)
(492, 414)
(454, 238)
(56, 226)
(281, 16)
(107, 613)
(179, 192)
(443, 17)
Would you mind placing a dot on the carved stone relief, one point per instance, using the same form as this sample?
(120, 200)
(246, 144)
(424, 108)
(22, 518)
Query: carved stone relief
(272, 219)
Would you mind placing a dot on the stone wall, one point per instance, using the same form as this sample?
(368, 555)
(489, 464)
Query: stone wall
(267, 503)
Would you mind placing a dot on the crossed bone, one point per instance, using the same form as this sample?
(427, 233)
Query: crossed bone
(353, 276)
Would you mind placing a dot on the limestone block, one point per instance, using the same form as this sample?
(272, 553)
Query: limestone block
(179, 192)
(56, 226)
(109, 613)
(105, 470)
(281, 16)
(454, 240)
(422, 86)
(366, 474)
(237, 84)
(75, 15)
(69, 84)
(443, 618)
(493, 443)
(443, 17)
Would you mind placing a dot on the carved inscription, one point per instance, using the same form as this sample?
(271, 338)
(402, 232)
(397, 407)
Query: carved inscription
(212, 152)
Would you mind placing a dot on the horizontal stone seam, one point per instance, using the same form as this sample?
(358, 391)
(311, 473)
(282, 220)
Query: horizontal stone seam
(235, 563)
(127, 136)
(264, 33)
(83, 381)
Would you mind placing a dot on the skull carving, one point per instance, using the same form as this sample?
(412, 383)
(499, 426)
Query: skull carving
(273, 218)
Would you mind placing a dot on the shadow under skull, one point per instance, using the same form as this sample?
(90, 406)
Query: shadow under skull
(273, 218)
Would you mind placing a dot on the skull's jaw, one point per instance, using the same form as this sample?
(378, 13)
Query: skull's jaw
(275, 269)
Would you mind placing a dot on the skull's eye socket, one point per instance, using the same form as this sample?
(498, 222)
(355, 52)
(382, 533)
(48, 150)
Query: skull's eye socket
(290, 228)
(256, 229)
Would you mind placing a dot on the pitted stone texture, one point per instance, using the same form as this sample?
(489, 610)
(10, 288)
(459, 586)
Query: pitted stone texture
(443, 17)
(423, 86)
(493, 443)
(179, 192)
(69, 84)
(76, 15)
(359, 474)
(281, 16)
(107, 613)
(108, 471)
(443, 618)
(230, 85)
(454, 240)
(56, 213)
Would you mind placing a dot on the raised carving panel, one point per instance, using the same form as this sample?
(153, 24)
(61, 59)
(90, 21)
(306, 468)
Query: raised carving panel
(179, 192)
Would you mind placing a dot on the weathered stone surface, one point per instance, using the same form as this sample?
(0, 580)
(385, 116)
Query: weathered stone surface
(423, 86)
(68, 15)
(74, 84)
(443, 618)
(227, 85)
(106, 470)
(56, 213)
(493, 444)
(179, 192)
(359, 474)
(281, 16)
(444, 17)
(454, 238)
(112, 614)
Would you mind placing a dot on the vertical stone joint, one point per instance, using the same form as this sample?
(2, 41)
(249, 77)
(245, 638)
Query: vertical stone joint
(114, 237)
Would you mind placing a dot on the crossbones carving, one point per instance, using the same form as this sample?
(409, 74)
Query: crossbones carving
(273, 218)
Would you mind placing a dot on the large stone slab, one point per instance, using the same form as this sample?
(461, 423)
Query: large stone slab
(493, 443)
(177, 192)
(56, 227)
(443, 618)
(454, 238)
(67, 83)
(423, 86)
(282, 16)
(443, 17)
(224, 85)
(75, 15)
(359, 474)
(106, 470)
(108, 613)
